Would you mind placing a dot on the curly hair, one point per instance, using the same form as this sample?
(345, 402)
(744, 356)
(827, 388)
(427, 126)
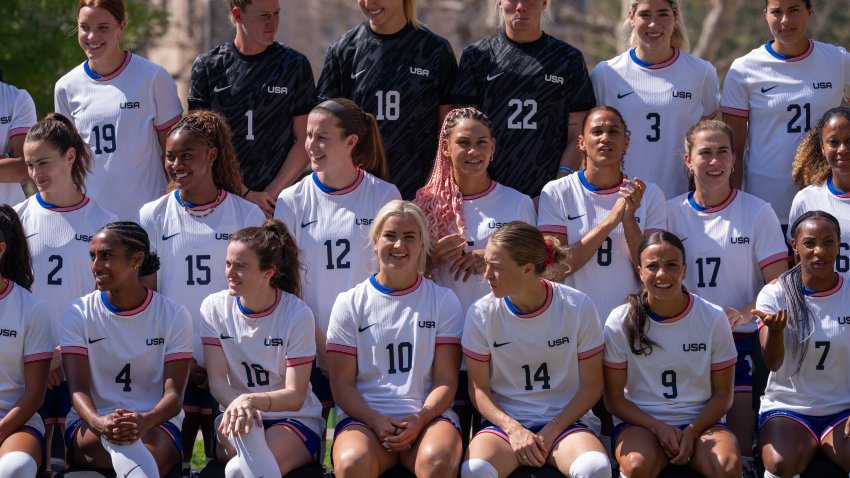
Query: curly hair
(810, 165)
(440, 199)
(214, 130)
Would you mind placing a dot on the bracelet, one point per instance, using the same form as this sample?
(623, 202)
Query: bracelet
(269, 408)
(566, 169)
(247, 190)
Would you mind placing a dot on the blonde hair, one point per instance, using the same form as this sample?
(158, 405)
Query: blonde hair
(680, 32)
(410, 13)
(397, 207)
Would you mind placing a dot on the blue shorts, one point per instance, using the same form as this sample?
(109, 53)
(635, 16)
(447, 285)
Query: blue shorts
(321, 387)
(57, 404)
(818, 427)
(622, 426)
(169, 428)
(462, 393)
(198, 400)
(311, 440)
(351, 422)
(578, 426)
(743, 367)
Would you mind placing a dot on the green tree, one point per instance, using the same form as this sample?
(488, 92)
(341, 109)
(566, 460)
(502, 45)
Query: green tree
(39, 41)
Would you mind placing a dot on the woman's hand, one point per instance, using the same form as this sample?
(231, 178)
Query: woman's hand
(528, 447)
(120, 428)
(386, 427)
(198, 375)
(448, 249)
(468, 264)
(632, 193)
(737, 318)
(774, 322)
(240, 416)
(262, 199)
(409, 429)
(686, 446)
(669, 438)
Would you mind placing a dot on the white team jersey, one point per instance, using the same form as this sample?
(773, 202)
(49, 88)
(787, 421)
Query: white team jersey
(119, 116)
(394, 334)
(573, 206)
(260, 346)
(782, 98)
(673, 383)
(26, 336)
(821, 386)
(484, 214)
(17, 116)
(192, 243)
(59, 239)
(331, 228)
(534, 357)
(659, 103)
(727, 247)
(127, 350)
(826, 197)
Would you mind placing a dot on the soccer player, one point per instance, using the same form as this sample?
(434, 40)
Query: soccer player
(17, 112)
(330, 211)
(822, 167)
(126, 351)
(805, 343)
(535, 90)
(601, 213)
(394, 352)
(773, 95)
(669, 372)
(735, 247)
(660, 89)
(259, 347)
(122, 105)
(402, 73)
(59, 221)
(534, 353)
(189, 228)
(28, 342)
(265, 91)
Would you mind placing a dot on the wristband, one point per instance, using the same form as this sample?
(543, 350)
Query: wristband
(566, 169)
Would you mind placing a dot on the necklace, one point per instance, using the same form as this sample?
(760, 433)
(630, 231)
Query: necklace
(204, 210)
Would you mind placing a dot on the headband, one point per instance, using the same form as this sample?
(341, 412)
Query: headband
(340, 112)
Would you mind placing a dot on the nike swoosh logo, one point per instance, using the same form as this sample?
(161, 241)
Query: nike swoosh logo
(33, 234)
(493, 77)
(361, 329)
(355, 75)
(573, 218)
(217, 89)
(165, 238)
(305, 224)
(74, 113)
(225, 337)
(765, 90)
(94, 341)
(497, 344)
(131, 470)
(620, 96)
(683, 240)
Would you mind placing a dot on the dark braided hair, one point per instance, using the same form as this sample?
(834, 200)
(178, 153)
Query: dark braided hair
(60, 133)
(135, 239)
(275, 248)
(214, 130)
(16, 263)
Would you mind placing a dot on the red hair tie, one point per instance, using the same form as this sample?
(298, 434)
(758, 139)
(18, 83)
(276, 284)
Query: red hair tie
(550, 253)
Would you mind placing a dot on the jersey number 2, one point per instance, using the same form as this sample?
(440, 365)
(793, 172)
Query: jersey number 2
(51, 277)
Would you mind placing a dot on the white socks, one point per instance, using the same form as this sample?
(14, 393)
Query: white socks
(18, 464)
(591, 464)
(253, 457)
(477, 468)
(131, 461)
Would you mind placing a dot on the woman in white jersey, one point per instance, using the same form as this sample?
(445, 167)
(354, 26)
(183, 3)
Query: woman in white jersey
(329, 212)
(534, 354)
(189, 227)
(126, 351)
(59, 221)
(123, 106)
(464, 206)
(774, 94)
(601, 213)
(669, 372)
(394, 352)
(259, 347)
(805, 342)
(28, 342)
(822, 168)
(734, 247)
(660, 89)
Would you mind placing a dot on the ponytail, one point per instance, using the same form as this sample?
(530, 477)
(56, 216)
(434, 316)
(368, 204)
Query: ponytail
(60, 133)
(368, 154)
(275, 249)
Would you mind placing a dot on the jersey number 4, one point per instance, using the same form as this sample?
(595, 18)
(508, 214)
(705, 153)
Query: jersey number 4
(123, 378)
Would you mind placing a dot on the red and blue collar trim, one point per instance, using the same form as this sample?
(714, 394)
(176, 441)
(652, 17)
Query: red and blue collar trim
(373, 279)
(654, 66)
(258, 315)
(675, 318)
(835, 191)
(9, 285)
(779, 56)
(825, 293)
(596, 189)
(534, 313)
(94, 76)
(222, 194)
(711, 209)
(338, 192)
(55, 208)
(122, 312)
(480, 195)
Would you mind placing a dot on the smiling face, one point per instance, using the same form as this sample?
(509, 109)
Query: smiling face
(816, 244)
(662, 270)
(257, 24)
(189, 159)
(788, 21)
(470, 148)
(243, 272)
(710, 159)
(48, 167)
(326, 145)
(385, 16)
(399, 245)
(113, 266)
(653, 22)
(835, 145)
(604, 139)
(98, 32)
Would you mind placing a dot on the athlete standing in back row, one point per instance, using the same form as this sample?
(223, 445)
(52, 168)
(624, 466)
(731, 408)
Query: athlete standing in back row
(401, 72)
(264, 90)
(536, 92)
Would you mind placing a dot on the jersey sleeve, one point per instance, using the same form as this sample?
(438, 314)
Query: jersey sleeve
(723, 352)
(590, 338)
(208, 332)
(526, 212)
(39, 336)
(450, 321)
(23, 117)
(343, 326)
(72, 335)
(583, 97)
(148, 222)
(467, 87)
(168, 107)
(60, 101)
(616, 343)
(769, 244)
(474, 340)
(178, 345)
(550, 208)
(597, 80)
(845, 56)
(656, 210)
(710, 93)
(735, 99)
(330, 79)
(798, 208)
(305, 92)
(448, 73)
(255, 216)
(199, 87)
(301, 345)
(284, 210)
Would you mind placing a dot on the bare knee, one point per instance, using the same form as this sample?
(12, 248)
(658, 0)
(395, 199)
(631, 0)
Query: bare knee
(636, 465)
(781, 465)
(729, 466)
(353, 462)
(437, 461)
